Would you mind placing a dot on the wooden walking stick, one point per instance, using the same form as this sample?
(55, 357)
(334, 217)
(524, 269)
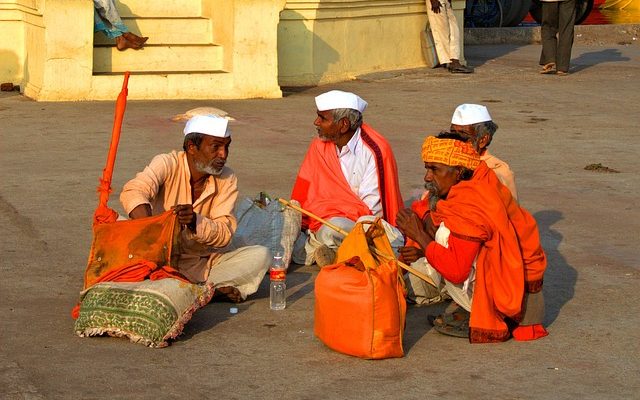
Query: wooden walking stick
(345, 233)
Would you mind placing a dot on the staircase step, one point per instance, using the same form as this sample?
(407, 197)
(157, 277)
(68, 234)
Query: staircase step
(158, 58)
(165, 86)
(194, 30)
(164, 8)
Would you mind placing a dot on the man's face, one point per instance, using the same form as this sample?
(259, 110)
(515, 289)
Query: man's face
(438, 181)
(328, 129)
(212, 154)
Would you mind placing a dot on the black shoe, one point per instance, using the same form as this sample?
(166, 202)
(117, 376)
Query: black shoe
(461, 69)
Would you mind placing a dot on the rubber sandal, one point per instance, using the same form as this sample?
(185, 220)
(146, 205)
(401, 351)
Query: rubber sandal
(548, 68)
(455, 318)
(461, 331)
(562, 73)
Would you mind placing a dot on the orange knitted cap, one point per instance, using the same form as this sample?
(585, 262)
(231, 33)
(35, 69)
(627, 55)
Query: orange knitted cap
(450, 152)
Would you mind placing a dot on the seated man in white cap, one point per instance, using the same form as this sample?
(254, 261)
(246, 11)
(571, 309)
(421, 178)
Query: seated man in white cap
(474, 122)
(202, 191)
(349, 172)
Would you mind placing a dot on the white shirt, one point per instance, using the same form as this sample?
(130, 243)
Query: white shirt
(359, 168)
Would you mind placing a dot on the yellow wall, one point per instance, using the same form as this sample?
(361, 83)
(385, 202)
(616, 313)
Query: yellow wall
(15, 16)
(331, 40)
(322, 41)
(47, 47)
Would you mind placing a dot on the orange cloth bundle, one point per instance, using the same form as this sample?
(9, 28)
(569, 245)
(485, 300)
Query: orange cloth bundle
(125, 248)
(360, 306)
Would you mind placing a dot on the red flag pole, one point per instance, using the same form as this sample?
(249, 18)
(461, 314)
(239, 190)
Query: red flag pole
(103, 213)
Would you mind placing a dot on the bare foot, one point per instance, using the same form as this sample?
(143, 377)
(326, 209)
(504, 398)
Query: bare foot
(228, 293)
(122, 44)
(132, 37)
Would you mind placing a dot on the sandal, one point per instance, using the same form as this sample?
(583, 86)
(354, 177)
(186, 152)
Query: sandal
(461, 331)
(548, 68)
(454, 318)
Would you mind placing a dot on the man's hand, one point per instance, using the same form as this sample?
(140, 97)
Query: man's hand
(435, 6)
(430, 227)
(186, 216)
(410, 254)
(411, 226)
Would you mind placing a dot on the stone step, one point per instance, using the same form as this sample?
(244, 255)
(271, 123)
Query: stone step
(193, 30)
(158, 58)
(164, 8)
(157, 86)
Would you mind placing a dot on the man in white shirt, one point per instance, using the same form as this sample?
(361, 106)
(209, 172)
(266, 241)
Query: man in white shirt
(349, 173)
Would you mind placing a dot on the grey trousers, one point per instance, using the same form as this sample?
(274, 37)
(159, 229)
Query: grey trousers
(558, 18)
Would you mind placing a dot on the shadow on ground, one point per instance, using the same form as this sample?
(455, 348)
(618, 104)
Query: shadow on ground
(560, 277)
(593, 58)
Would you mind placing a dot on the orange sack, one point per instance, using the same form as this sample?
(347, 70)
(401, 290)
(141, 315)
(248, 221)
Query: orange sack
(360, 306)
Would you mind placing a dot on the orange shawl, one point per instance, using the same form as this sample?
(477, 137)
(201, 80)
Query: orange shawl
(322, 189)
(511, 260)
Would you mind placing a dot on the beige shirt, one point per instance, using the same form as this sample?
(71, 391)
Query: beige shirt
(502, 170)
(165, 183)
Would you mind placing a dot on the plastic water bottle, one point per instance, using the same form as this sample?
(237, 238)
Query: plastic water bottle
(278, 286)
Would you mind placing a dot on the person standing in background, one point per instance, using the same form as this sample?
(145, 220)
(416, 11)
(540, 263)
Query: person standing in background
(558, 19)
(446, 35)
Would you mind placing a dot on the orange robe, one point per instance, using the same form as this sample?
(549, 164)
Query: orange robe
(322, 189)
(511, 260)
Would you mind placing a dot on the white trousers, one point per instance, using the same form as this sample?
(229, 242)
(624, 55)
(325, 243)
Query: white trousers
(242, 269)
(446, 34)
(332, 239)
(422, 292)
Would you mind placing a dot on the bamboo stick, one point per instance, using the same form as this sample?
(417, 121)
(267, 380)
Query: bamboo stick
(417, 273)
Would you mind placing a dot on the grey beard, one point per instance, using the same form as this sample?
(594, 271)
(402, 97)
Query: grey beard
(434, 194)
(207, 169)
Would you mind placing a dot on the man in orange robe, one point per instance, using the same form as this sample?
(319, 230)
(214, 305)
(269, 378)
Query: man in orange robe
(474, 123)
(348, 173)
(481, 246)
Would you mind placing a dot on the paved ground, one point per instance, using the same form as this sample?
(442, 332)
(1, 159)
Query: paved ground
(550, 128)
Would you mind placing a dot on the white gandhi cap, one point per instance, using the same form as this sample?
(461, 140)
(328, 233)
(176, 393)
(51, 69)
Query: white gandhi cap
(211, 125)
(467, 114)
(339, 99)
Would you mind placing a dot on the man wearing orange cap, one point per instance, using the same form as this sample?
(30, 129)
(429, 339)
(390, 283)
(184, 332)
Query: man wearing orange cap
(202, 191)
(349, 173)
(482, 248)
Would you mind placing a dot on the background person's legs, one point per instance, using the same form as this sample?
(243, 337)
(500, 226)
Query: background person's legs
(566, 21)
(242, 269)
(439, 24)
(107, 20)
(548, 31)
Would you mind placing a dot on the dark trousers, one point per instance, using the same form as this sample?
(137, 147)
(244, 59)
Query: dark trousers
(557, 33)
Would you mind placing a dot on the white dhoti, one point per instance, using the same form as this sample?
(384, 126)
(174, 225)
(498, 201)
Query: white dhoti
(422, 292)
(242, 269)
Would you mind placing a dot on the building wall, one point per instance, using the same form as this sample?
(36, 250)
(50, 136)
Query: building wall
(47, 47)
(331, 40)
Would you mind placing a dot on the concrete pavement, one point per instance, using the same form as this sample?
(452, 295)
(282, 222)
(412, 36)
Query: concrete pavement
(550, 128)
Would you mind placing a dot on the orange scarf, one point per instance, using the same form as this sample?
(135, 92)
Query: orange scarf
(511, 259)
(322, 189)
